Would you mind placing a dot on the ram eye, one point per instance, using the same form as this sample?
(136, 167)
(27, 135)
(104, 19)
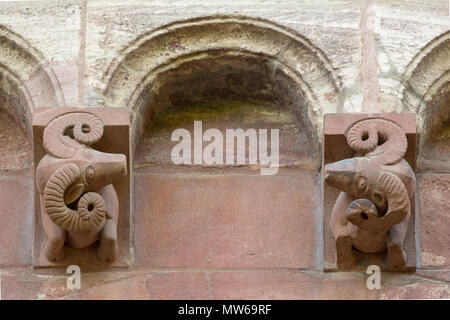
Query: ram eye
(362, 183)
(89, 174)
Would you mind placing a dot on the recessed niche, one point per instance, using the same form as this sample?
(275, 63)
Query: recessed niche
(434, 150)
(225, 91)
(15, 143)
(225, 215)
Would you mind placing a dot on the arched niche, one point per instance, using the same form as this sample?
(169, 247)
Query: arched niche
(434, 152)
(25, 82)
(228, 72)
(15, 135)
(427, 93)
(132, 75)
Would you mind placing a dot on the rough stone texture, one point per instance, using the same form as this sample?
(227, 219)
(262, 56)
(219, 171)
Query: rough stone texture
(333, 26)
(50, 26)
(402, 29)
(20, 283)
(434, 202)
(435, 144)
(15, 145)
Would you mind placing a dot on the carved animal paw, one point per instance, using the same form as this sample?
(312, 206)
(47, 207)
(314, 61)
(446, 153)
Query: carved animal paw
(107, 250)
(396, 257)
(55, 257)
(344, 249)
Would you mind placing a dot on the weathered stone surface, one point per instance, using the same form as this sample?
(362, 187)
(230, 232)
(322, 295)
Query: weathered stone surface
(416, 290)
(15, 288)
(24, 283)
(132, 288)
(402, 28)
(226, 220)
(295, 144)
(288, 285)
(110, 27)
(434, 204)
(179, 285)
(15, 144)
(52, 27)
(438, 274)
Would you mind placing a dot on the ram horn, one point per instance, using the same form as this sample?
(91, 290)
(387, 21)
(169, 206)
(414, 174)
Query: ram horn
(379, 139)
(67, 133)
(91, 206)
(397, 198)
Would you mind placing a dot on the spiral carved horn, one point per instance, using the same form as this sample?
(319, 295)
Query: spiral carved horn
(397, 198)
(364, 137)
(84, 128)
(91, 206)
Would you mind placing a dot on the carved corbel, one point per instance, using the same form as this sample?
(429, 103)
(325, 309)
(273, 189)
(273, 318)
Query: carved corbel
(78, 203)
(373, 209)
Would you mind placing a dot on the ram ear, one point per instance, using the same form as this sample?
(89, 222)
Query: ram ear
(379, 199)
(73, 193)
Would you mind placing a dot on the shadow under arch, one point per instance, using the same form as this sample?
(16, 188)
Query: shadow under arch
(427, 93)
(25, 82)
(309, 76)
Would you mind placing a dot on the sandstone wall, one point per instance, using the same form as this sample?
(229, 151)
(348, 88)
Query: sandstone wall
(213, 233)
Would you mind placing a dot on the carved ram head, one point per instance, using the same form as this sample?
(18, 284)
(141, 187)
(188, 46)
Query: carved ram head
(379, 173)
(71, 173)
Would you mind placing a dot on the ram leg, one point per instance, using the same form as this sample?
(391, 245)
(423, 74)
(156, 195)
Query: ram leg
(56, 236)
(344, 245)
(395, 237)
(107, 251)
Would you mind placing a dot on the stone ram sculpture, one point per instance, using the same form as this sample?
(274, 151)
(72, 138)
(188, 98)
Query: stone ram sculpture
(372, 211)
(79, 205)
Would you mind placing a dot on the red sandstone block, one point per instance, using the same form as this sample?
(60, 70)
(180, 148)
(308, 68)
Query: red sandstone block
(441, 275)
(132, 288)
(434, 208)
(16, 207)
(282, 284)
(226, 221)
(22, 283)
(155, 286)
(16, 288)
(178, 286)
(67, 74)
(417, 290)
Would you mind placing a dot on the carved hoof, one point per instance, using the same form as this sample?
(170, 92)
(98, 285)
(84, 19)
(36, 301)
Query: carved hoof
(344, 249)
(396, 257)
(55, 257)
(107, 250)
